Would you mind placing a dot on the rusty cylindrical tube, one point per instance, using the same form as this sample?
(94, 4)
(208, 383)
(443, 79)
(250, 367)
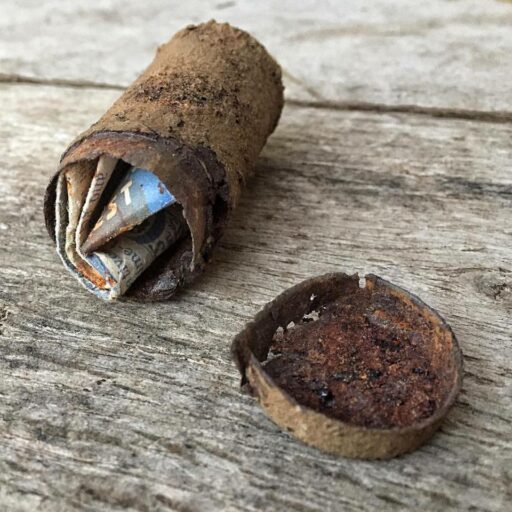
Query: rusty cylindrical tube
(197, 117)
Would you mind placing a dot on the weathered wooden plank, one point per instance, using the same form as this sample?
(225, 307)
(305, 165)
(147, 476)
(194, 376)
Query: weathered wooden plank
(444, 54)
(123, 406)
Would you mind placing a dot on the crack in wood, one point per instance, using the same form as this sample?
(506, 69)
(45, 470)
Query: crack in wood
(6, 78)
(484, 116)
(4, 313)
(498, 289)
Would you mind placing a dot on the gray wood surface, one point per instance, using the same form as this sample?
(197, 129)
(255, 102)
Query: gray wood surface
(129, 407)
(455, 55)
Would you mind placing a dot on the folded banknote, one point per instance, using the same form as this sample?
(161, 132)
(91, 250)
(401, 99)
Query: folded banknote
(116, 223)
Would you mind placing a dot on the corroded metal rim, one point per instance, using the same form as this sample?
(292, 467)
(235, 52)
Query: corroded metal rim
(250, 348)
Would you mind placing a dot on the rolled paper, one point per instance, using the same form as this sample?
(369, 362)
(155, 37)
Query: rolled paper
(181, 140)
(139, 195)
(123, 260)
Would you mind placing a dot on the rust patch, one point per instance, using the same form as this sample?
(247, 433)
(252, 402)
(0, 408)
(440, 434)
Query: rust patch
(368, 360)
(91, 274)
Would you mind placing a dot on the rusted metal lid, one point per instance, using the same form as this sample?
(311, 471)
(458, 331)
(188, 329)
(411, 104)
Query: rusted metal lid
(361, 372)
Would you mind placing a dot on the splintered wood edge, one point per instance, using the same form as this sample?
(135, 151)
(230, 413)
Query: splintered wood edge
(250, 348)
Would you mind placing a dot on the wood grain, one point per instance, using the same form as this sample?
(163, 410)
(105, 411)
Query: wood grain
(129, 407)
(453, 55)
